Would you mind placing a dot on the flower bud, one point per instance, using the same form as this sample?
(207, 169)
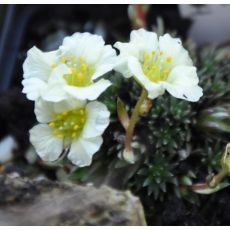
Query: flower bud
(225, 162)
(215, 121)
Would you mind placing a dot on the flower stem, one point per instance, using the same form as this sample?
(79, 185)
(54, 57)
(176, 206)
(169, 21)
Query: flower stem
(133, 120)
(218, 178)
(212, 183)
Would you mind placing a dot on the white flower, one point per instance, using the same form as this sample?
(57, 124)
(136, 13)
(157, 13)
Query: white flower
(159, 65)
(69, 124)
(71, 71)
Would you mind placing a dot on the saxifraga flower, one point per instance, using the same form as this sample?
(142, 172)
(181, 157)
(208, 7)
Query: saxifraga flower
(69, 125)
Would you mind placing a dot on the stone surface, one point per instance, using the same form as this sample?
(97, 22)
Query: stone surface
(43, 202)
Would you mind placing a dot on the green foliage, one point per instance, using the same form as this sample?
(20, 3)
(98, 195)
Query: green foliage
(175, 143)
(155, 177)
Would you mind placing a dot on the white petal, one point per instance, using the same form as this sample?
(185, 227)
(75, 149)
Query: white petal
(90, 92)
(45, 111)
(33, 88)
(182, 83)
(82, 150)
(127, 49)
(85, 44)
(54, 91)
(48, 146)
(144, 39)
(106, 62)
(154, 89)
(97, 119)
(38, 64)
(121, 66)
(172, 47)
(141, 41)
(69, 104)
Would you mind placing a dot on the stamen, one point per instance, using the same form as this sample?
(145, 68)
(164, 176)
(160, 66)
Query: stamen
(168, 59)
(68, 124)
(84, 67)
(155, 67)
(52, 125)
(81, 72)
(146, 56)
(53, 65)
(63, 59)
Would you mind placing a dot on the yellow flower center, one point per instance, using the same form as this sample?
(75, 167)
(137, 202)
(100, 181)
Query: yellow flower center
(68, 124)
(81, 72)
(155, 66)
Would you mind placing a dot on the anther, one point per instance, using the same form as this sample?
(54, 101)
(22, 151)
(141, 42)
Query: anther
(53, 65)
(146, 56)
(63, 59)
(84, 67)
(76, 127)
(52, 125)
(74, 134)
(168, 59)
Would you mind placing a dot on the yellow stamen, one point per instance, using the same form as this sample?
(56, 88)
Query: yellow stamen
(53, 65)
(59, 116)
(60, 135)
(161, 53)
(146, 56)
(168, 59)
(56, 132)
(63, 59)
(83, 67)
(52, 125)
(76, 127)
(74, 134)
(80, 75)
(72, 58)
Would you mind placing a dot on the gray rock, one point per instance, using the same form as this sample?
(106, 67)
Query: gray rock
(43, 202)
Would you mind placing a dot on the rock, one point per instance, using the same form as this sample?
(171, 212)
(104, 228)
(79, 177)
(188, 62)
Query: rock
(43, 202)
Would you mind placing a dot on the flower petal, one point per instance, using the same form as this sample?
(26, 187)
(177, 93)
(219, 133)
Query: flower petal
(82, 150)
(121, 66)
(106, 62)
(33, 88)
(90, 92)
(89, 46)
(141, 41)
(45, 111)
(154, 89)
(172, 47)
(182, 83)
(48, 146)
(38, 64)
(97, 119)
(54, 91)
(144, 40)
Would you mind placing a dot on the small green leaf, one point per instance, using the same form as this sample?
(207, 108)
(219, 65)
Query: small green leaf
(122, 113)
(207, 191)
